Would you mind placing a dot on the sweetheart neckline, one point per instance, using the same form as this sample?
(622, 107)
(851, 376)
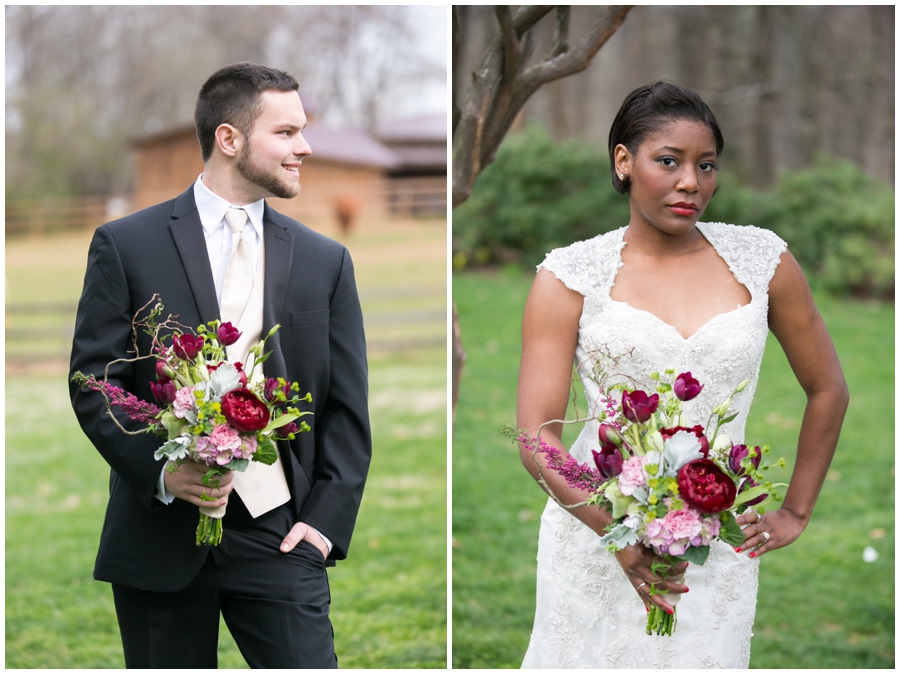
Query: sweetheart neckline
(672, 327)
(623, 243)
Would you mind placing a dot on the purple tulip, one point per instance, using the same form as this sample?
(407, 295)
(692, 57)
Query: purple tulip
(739, 453)
(287, 429)
(164, 373)
(608, 461)
(638, 406)
(750, 483)
(686, 387)
(609, 436)
(164, 392)
(227, 334)
(187, 346)
(272, 387)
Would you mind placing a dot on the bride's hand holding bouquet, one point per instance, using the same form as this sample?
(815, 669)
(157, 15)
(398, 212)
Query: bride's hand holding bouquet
(669, 489)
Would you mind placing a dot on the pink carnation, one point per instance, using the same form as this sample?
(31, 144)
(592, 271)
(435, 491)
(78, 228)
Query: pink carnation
(633, 475)
(683, 523)
(658, 536)
(225, 438)
(184, 401)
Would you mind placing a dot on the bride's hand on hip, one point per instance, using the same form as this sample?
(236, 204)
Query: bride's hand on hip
(768, 532)
(637, 562)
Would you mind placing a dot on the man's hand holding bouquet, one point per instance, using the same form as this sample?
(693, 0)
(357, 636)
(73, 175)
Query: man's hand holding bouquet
(669, 487)
(210, 411)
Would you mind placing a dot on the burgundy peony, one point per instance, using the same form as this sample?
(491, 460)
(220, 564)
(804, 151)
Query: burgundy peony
(163, 391)
(638, 406)
(245, 411)
(187, 346)
(740, 452)
(704, 487)
(686, 387)
(696, 430)
(287, 429)
(749, 483)
(227, 334)
(608, 461)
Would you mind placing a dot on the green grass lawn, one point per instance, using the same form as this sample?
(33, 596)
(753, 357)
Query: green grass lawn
(389, 605)
(388, 598)
(820, 605)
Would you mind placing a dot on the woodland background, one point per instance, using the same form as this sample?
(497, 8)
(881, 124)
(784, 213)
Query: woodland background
(805, 99)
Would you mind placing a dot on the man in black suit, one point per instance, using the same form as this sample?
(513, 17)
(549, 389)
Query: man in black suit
(267, 577)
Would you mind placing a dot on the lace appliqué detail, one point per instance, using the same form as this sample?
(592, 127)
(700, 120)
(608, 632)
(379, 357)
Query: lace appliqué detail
(588, 614)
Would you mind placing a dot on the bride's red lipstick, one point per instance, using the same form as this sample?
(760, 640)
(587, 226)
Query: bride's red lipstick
(682, 208)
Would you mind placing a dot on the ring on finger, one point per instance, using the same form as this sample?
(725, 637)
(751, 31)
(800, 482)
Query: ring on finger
(758, 517)
(766, 534)
(638, 588)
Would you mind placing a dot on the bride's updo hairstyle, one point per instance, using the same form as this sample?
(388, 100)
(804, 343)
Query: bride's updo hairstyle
(651, 108)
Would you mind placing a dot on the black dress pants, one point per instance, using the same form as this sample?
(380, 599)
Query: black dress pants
(275, 604)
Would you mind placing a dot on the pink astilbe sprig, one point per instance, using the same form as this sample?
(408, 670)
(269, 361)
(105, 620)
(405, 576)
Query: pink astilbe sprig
(134, 407)
(577, 475)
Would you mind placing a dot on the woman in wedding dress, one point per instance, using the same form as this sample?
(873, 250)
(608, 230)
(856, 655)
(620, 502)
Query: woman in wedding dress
(671, 292)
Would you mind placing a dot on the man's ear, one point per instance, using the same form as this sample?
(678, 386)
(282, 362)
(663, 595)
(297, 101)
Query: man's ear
(229, 140)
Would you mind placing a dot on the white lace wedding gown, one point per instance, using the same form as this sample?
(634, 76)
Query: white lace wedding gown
(588, 614)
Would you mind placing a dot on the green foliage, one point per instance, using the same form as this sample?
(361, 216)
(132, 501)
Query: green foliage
(536, 196)
(539, 195)
(388, 598)
(816, 605)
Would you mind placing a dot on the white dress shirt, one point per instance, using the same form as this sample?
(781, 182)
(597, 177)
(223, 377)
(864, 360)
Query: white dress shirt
(211, 209)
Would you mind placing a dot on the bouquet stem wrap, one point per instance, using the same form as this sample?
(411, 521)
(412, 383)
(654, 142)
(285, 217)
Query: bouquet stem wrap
(209, 530)
(660, 622)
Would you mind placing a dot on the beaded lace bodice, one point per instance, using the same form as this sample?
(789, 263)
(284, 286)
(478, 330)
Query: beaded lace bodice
(588, 614)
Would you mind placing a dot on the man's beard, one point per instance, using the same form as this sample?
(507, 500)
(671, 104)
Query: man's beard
(258, 176)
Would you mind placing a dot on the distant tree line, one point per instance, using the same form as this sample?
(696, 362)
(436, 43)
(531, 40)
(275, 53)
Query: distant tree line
(83, 80)
(787, 83)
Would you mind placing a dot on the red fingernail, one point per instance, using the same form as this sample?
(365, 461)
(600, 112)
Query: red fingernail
(753, 554)
(670, 611)
(737, 549)
(687, 589)
(648, 609)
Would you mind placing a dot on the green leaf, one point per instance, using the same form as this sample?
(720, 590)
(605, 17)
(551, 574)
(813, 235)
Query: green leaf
(750, 494)
(266, 451)
(695, 555)
(239, 465)
(730, 531)
(283, 420)
(727, 419)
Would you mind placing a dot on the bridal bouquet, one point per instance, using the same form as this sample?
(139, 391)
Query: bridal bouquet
(669, 487)
(209, 410)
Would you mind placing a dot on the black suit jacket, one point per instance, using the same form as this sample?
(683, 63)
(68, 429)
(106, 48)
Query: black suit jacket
(309, 290)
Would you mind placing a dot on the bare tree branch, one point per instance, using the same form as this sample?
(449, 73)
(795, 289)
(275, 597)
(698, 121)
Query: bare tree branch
(499, 87)
(561, 32)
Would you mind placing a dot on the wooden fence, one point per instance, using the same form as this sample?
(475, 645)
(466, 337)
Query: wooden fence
(39, 336)
(37, 217)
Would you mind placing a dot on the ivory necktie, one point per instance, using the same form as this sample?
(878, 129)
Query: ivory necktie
(261, 487)
(239, 274)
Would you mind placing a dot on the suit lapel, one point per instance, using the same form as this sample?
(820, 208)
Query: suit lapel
(279, 251)
(188, 234)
